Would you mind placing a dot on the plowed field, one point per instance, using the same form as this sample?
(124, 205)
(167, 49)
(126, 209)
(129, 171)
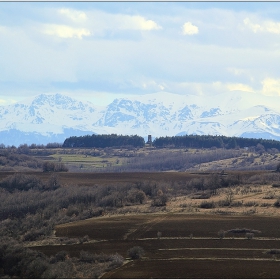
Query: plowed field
(175, 254)
(89, 179)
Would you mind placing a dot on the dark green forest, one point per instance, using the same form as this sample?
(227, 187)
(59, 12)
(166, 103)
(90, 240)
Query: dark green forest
(209, 141)
(104, 141)
(186, 141)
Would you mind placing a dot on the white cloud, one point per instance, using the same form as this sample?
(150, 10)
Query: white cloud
(265, 26)
(76, 16)
(136, 23)
(100, 21)
(7, 101)
(127, 54)
(64, 31)
(152, 85)
(189, 29)
(239, 87)
(241, 73)
(253, 27)
(271, 87)
(237, 71)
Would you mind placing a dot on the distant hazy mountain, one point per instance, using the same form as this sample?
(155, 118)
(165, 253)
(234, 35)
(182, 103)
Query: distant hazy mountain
(52, 118)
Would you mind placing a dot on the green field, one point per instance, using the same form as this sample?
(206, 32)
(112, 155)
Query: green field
(85, 162)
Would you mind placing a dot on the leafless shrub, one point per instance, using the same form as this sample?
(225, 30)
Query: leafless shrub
(207, 204)
(242, 230)
(272, 251)
(159, 200)
(136, 252)
(222, 203)
(265, 204)
(53, 182)
(64, 270)
(136, 196)
(229, 196)
(250, 212)
(83, 239)
(35, 234)
(221, 234)
(250, 203)
(249, 235)
(88, 257)
(20, 181)
(70, 241)
(116, 260)
(277, 203)
(223, 212)
(201, 195)
(236, 203)
(263, 178)
(278, 167)
(59, 257)
(72, 211)
(159, 234)
(269, 195)
(54, 167)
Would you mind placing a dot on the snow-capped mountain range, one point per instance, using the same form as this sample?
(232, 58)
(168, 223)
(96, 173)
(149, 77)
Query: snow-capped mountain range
(52, 118)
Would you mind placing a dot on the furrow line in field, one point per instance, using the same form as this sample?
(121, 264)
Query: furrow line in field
(231, 249)
(215, 259)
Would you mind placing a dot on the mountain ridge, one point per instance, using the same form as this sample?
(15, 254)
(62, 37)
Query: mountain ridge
(51, 117)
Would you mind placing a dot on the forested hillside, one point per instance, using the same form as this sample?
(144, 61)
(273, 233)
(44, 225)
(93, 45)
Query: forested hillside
(104, 141)
(186, 141)
(208, 141)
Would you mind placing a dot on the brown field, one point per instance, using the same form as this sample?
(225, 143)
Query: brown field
(175, 254)
(89, 179)
(135, 227)
(197, 269)
(197, 204)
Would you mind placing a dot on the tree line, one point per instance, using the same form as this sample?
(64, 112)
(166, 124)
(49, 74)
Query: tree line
(104, 141)
(164, 160)
(114, 140)
(209, 141)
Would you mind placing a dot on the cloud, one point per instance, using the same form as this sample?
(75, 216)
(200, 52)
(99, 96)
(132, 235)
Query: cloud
(237, 71)
(153, 85)
(64, 31)
(135, 23)
(241, 73)
(7, 101)
(239, 87)
(189, 29)
(76, 16)
(271, 87)
(265, 26)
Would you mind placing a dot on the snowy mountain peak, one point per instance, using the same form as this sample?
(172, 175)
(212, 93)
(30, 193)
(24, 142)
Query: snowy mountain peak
(49, 118)
(56, 101)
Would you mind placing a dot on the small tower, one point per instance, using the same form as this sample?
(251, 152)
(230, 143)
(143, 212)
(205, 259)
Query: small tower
(149, 140)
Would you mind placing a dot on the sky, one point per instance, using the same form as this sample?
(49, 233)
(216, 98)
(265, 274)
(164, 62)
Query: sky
(99, 51)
